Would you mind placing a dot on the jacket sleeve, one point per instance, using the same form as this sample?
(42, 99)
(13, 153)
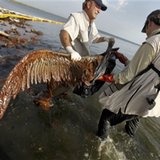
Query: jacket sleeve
(143, 57)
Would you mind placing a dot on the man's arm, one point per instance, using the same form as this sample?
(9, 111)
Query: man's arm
(143, 57)
(66, 42)
(104, 39)
(65, 38)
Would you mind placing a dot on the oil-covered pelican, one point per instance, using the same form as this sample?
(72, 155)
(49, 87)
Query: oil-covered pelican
(54, 68)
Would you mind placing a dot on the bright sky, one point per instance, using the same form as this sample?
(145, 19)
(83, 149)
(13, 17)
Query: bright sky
(124, 18)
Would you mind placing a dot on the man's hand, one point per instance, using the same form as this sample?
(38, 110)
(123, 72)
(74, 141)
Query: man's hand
(74, 55)
(122, 58)
(106, 78)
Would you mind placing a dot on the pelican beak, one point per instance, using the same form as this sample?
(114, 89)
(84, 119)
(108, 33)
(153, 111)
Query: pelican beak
(101, 68)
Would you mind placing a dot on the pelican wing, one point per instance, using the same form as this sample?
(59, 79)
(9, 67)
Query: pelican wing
(36, 67)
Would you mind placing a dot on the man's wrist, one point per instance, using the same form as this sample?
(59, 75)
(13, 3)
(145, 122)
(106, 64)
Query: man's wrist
(69, 49)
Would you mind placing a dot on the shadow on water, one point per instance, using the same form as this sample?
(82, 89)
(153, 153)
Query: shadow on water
(63, 133)
(67, 132)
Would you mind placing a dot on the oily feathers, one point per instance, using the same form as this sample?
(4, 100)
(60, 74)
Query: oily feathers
(44, 66)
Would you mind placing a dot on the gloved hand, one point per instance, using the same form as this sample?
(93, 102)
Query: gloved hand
(109, 40)
(74, 55)
(122, 58)
(106, 78)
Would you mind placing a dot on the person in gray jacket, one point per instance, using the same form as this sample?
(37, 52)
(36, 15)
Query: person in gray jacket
(80, 30)
(141, 84)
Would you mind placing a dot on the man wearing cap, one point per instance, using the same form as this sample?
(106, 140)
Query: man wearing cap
(80, 30)
(141, 80)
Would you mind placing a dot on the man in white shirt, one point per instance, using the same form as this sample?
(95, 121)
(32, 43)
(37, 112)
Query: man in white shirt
(80, 30)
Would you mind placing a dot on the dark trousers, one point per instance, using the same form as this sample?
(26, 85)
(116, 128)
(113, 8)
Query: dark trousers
(132, 121)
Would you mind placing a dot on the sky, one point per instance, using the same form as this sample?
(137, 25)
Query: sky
(123, 18)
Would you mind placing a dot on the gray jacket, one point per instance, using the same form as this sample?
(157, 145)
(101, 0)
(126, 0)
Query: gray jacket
(134, 97)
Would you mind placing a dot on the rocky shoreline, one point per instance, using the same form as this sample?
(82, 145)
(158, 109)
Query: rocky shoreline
(15, 32)
(17, 37)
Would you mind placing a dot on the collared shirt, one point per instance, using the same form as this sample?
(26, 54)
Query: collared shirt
(143, 57)
(82, 33)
